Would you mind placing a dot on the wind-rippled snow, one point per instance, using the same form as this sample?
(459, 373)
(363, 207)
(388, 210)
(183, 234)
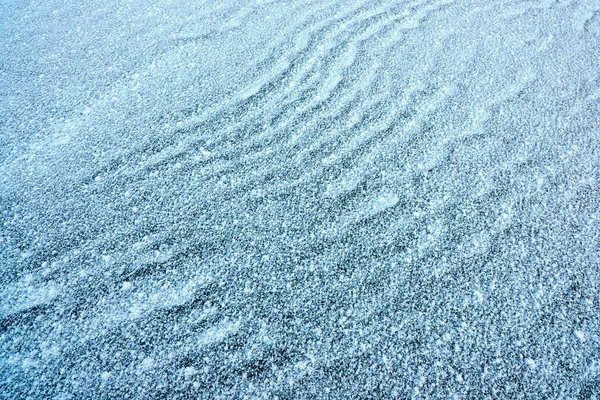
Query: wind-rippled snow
(312, 199)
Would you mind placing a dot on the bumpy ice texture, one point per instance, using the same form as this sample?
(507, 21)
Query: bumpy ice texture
(312, 199)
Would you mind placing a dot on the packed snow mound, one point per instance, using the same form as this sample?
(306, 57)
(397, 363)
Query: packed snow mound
(311, 199)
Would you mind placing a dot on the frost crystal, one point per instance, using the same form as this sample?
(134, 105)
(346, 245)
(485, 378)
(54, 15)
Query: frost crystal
(300, 199)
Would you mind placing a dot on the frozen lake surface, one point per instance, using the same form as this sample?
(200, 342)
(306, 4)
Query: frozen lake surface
(300, 199)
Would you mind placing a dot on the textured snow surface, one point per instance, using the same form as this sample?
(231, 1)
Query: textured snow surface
(300, 199)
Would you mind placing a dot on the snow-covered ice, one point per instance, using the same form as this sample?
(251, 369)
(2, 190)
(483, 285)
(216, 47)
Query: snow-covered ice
(300, 199)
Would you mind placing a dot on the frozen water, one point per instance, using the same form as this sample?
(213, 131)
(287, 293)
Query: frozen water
(313, 199)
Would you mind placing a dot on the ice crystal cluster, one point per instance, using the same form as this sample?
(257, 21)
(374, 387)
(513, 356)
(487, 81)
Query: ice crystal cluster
(299, 199)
